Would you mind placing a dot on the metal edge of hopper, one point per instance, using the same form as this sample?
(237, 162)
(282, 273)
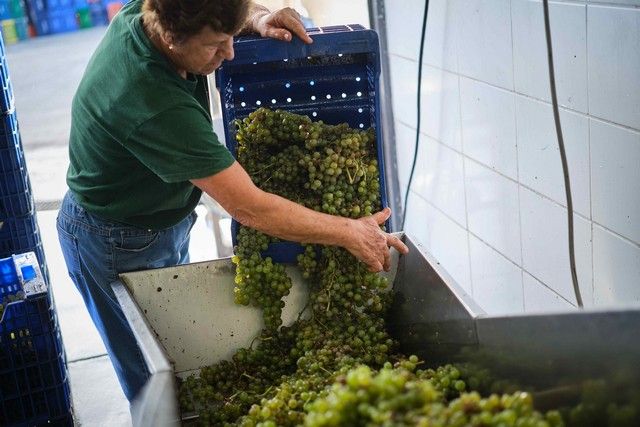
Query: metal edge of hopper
(452, 308)
(156, 403)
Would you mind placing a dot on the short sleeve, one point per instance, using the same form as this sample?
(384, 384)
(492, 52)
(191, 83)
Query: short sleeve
(179, 144)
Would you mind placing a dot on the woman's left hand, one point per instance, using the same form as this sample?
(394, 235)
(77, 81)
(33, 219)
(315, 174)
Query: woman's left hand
(281, 24)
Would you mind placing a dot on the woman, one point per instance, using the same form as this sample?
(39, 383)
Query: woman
(142, 150)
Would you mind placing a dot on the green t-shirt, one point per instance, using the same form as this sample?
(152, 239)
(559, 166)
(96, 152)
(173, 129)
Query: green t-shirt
(140, 132)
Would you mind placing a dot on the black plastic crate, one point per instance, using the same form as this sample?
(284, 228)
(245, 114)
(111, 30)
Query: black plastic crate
(335, 79)
(34, 387)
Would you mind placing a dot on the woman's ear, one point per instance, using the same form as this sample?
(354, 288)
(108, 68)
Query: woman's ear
(168, 39)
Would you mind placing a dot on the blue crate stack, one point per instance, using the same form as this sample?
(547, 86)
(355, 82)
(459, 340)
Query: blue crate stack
(53, 16)
(335, 79)
(34, 387)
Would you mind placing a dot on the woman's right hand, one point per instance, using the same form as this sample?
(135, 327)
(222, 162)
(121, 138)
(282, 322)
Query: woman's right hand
(370, 244)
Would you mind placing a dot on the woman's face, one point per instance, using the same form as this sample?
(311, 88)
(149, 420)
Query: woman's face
(204, 52)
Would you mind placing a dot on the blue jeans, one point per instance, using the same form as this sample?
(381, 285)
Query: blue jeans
(96, 251)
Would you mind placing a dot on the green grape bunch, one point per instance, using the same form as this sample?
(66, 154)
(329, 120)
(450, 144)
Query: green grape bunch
(336, 365)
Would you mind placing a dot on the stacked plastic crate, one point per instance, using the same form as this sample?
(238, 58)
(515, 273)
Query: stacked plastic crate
(34, 387)
(13, 20)
(61, 15)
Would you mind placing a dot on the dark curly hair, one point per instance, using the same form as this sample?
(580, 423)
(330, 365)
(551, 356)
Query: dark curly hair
(185, 18)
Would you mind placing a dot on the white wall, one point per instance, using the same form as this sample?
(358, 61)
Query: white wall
(488, 198)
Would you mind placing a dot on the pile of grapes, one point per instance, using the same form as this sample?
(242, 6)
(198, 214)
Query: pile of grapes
(336, 365)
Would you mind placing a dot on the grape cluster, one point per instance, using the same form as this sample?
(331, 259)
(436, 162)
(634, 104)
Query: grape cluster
(259, 281)
(398, 396)
(337, 364)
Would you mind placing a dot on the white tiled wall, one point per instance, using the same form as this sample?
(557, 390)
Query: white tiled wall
(488, 198)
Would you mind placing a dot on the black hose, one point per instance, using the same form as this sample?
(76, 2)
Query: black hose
(418, 109)
(563, 154)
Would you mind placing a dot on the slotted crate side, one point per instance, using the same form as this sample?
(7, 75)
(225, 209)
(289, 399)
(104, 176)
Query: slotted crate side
(21, 234)
(16, 204)
(33, 382)
(6, 99)
(15, 189)
(9, 129)
(335, 79)
(34, 386)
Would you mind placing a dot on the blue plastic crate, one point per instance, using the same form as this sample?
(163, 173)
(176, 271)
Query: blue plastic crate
(4, 76)
(19, 234)
(62, 21)
(335, 79)
(37, 6)
(7, 102)
(34, 387)
(19, 204)
(99, 14)
(9, 136)
(11, 153)
(14, 181)
(61, 5)
(41, 24)
(7, 248)
(5, 11)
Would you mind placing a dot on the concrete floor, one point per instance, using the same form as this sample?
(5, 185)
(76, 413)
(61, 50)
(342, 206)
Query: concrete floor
(45, 73)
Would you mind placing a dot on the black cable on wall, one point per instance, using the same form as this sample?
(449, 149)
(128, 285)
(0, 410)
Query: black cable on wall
(418, 109)
(556, 116)
(563, 154)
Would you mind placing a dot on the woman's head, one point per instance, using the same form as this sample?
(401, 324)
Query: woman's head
(198, 33)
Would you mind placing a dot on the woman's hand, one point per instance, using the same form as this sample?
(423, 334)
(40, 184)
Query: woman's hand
(280, 25)
(370, 244)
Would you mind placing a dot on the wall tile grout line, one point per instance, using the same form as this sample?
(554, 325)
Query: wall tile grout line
(593, 264)
(555, 202)
(488, 245)
(464, 181)
(524, 95)
(515, 119)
